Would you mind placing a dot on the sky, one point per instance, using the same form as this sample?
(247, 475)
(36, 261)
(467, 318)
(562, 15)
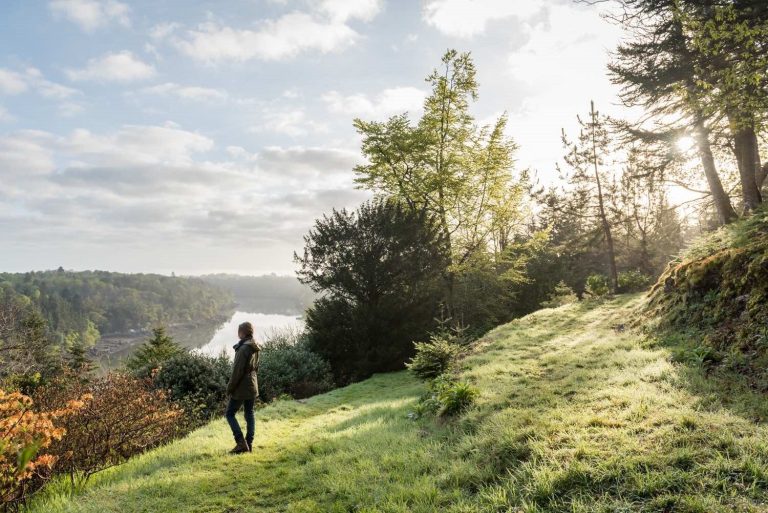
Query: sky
(197, 136)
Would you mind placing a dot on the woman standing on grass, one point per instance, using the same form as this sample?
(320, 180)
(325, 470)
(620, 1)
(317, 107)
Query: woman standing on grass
(243, 387)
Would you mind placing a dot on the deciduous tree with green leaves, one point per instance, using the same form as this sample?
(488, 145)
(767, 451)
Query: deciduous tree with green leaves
(447, 165)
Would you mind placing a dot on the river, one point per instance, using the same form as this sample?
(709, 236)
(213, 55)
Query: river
(263, 324)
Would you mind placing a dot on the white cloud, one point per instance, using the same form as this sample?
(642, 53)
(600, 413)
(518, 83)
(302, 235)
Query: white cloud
(291, 122)
(138, 144)
(91, 14)
(163, 30)
(391, 101)
(25, 153)
(32, 79)
(193, 93)
(467, 18)
(113, 67)
(152, 184)
(560, 69)
(12, 82)
(283, 38)
(53, 90)
(343, 10)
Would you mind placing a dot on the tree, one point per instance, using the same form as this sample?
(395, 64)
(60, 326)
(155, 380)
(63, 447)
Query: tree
(379, 272)
(77, 345)
(733, 37)
(447, 166)
(650, 228)
(150, 355)
(657, 68)
(27, 354)
(704, 60)
(588, 157)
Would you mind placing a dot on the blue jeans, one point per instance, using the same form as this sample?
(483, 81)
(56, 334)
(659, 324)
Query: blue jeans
(250, 421)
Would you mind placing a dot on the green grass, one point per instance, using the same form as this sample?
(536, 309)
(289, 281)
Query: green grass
(575, 415)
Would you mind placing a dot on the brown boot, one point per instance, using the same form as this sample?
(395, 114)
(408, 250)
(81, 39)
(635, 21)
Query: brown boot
(241, 447)
(250, 445)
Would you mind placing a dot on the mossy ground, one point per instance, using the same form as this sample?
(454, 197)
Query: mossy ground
(717, 295)
(576, 414)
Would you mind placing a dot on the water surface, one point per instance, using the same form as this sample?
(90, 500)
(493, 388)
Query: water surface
(263, 324)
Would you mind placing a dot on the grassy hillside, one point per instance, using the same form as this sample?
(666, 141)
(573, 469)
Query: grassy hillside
(576, 414)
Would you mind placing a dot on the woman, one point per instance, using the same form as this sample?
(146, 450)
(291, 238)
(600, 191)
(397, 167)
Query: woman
(243, 387)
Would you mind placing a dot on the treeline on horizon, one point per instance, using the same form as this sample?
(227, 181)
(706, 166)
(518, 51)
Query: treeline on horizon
(268, 293)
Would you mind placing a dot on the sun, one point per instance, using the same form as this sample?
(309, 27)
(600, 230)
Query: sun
(685, 143)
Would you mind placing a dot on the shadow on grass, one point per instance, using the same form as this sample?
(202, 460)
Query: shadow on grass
(715, 386)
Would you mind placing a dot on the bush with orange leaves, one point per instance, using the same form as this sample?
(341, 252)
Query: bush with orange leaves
(25, 436)
(123, 416)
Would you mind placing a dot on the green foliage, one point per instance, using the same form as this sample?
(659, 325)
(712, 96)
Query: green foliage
(28, 357)
(153, 353)
(562, 295)
(633, 281)
(288, 367)
(380, 271)
(461, 174)
(445, 396)
(454, 396)
(597, 286)
(435, 357)
(731, 40)
(197, 383)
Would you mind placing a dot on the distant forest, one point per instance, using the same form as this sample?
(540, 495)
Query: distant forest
(112, 303)
(269, 294)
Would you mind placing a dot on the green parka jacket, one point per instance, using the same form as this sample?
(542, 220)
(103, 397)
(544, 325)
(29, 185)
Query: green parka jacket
(244, 385)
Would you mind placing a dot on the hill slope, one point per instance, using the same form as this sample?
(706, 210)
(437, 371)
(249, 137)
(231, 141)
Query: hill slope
(576, 414)
(718, 293)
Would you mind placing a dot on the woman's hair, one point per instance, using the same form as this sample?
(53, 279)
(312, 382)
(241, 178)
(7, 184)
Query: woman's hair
(246, 329)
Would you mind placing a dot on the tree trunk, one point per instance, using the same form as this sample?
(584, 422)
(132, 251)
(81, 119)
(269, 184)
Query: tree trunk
(725, 212)
(762, 170)
(614, 276)
(746, 150)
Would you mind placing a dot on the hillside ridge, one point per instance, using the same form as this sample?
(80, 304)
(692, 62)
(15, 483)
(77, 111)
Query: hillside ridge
(576, 413)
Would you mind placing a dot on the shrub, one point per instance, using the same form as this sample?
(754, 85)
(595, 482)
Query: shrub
(633, 281)
(562, 295)
(434, 357)
(288, 366)
(24, 434)
(445, 396)
(454, 396)
(197, 383)
(121, 416)
(597, 286)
